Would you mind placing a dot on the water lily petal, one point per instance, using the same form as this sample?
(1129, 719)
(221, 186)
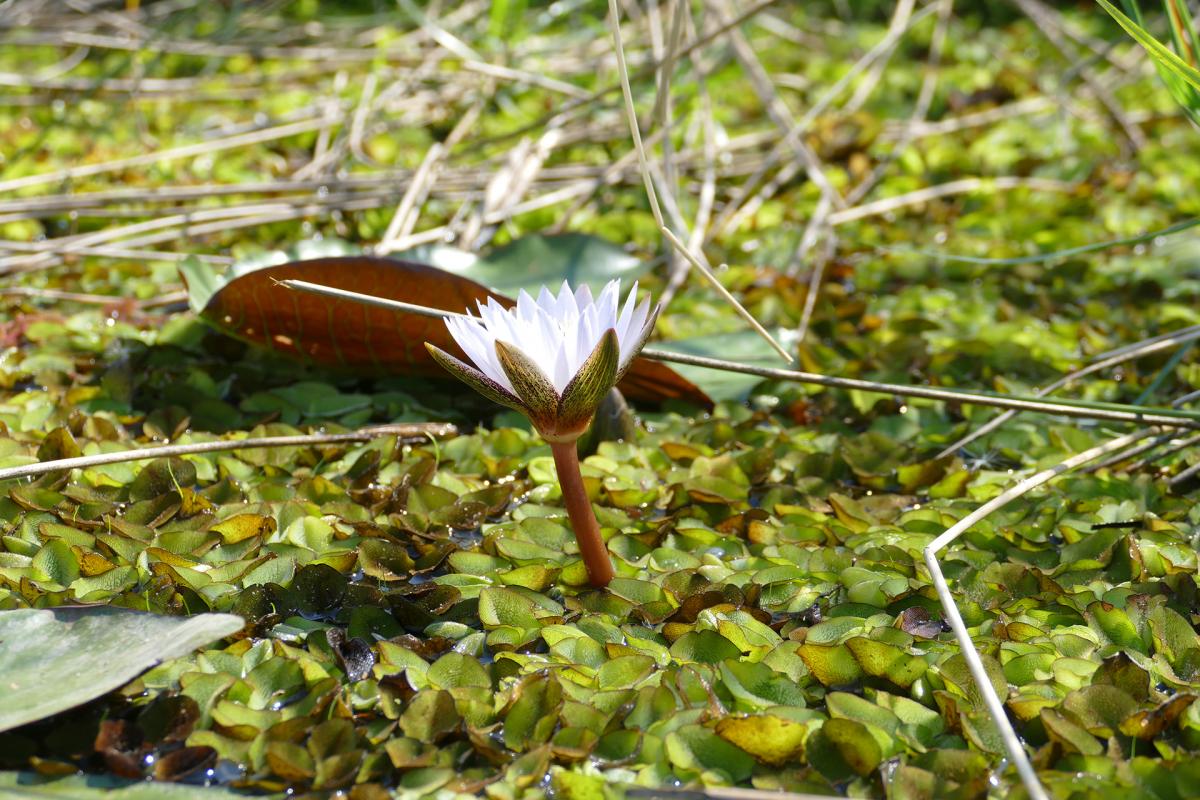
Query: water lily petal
(622, 326)
(638, 341)
(606, 305)
(583, 297)
(476, 342)
(565, 306)
(548, 302)
(641, 325)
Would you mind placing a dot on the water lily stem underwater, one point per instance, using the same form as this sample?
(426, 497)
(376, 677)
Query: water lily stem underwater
(583, 520)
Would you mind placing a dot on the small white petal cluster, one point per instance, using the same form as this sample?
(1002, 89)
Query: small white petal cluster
(557, 332)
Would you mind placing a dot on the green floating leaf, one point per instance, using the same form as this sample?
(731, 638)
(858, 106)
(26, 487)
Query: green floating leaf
(55, 563)
(744, 347)
(693, 749)
(883, 660)
(49, 658)
(706, 647)
(1067, 734)
(1150, 724)
(536, 260)
(533, 715)
(772, 740)
(1175, 638)
(28, 786)
(843, 747)
(430, 716)
(956, 673)
(506, 607)
(755, 685)
(385, 560)
(1100, 709)
(831, 665)
(455, 670)
(1118, 627)
(623, 672)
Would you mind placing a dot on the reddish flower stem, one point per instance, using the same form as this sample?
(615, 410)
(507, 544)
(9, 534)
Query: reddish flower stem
(583, 520)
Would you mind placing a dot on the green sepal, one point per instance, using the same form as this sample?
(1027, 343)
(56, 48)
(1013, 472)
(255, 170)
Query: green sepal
(587, 389)
(476, 379)
(531, 384)
(643, 336)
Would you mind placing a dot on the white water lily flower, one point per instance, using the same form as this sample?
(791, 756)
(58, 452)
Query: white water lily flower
(554, 358)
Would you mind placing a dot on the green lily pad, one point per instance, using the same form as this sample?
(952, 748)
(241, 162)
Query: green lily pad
(744, 347)
(49, 658)
(29, 786)
(533, 261)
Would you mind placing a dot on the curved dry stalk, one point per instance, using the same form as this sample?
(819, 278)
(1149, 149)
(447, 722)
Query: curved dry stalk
(199, 229)
(1184, 476)
(184, 151)
(911, 130)
(812, 232)
(1135, 451)
(676, 242)
(1113, 412)
(162, 228)
(920, 109)
(1118, 356)
(310, 54)
(1050, 23)
(1176, 446)
(1012, 743)
(723, 292)
(414, 431)
(1056, 255)
(776, 109)
(948, 189)
(644, 71)
(631, 113)
(36, 293)
(407, 212)
(899, 23)
(801, 126)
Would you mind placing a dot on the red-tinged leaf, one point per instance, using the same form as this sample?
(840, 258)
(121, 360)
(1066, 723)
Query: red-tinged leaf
(341, 333)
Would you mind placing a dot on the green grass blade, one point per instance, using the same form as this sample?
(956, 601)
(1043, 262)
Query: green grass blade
(1157, 50)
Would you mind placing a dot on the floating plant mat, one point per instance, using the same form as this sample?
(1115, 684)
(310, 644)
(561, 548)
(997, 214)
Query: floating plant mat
(418, 620)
